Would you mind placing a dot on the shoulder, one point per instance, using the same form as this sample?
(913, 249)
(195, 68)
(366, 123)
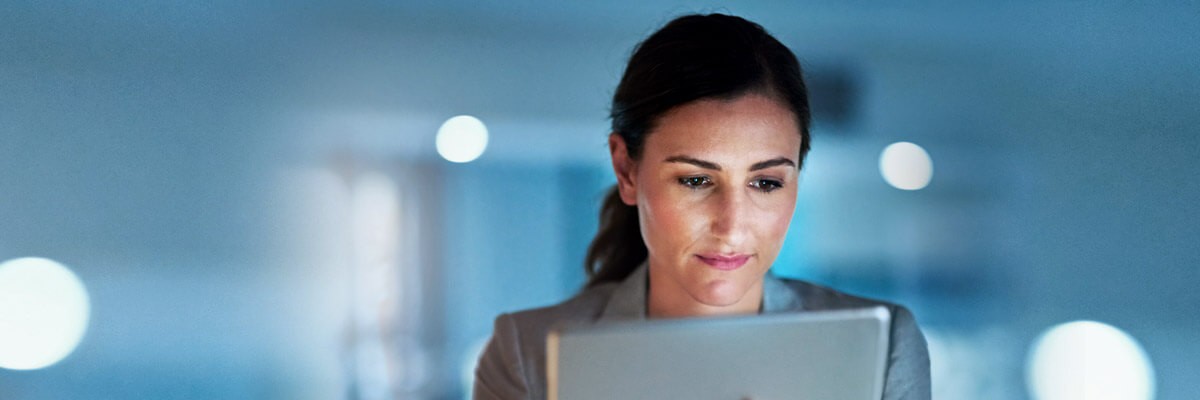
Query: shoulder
(512, 365)
(908, 358)
(528, 328)
(587, 305)
(815, 297)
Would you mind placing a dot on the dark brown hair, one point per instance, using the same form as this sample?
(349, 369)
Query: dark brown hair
(693, 57)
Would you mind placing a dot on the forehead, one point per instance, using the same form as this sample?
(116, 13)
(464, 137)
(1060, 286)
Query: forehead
(747, 128)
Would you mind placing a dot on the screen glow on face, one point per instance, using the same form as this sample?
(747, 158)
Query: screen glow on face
(715, 189)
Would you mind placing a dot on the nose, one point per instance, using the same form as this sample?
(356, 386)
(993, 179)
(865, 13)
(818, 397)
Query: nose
(730, 212)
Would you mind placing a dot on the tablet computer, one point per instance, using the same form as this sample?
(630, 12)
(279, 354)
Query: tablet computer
(809, 355)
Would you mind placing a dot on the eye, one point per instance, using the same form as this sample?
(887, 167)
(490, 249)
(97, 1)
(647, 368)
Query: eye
(766, 185)
(695, 182)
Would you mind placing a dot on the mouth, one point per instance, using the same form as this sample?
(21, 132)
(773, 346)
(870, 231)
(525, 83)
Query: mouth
(724, 262)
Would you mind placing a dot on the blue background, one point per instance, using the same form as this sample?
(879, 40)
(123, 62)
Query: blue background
(172, 155)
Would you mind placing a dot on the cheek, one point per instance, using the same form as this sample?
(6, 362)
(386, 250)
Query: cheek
(775, 221)
(669, 223)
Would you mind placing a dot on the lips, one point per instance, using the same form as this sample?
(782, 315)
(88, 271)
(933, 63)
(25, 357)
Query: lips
(724, 262)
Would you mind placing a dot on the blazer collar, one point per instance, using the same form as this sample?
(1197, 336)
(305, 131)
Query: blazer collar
(628, 300)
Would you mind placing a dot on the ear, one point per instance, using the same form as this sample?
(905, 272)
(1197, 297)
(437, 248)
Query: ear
(625, 168)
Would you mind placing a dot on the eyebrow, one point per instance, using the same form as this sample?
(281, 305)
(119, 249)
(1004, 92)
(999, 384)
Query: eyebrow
(771, 163)
(713, 166)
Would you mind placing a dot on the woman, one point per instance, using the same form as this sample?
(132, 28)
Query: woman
(710, 126)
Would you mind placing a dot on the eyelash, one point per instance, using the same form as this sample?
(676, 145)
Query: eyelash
(767, 185)
(699, 182)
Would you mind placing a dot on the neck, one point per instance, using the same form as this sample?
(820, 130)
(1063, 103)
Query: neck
(665, 299)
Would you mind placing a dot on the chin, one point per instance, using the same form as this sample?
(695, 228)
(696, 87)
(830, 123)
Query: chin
(719, 293)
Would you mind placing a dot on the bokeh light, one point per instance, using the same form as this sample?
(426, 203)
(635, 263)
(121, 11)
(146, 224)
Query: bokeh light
(43, 313)
(906, 166)
(462, 139)
(1088, 360)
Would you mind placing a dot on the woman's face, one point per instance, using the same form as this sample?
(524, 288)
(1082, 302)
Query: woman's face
(715, 190)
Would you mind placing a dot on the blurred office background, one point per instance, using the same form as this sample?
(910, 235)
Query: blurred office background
(253, 199)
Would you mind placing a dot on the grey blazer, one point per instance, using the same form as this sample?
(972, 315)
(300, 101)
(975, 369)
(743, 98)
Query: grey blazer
(513, 365)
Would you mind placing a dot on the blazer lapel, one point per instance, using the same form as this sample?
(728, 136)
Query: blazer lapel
(628, 300)
(778, 296)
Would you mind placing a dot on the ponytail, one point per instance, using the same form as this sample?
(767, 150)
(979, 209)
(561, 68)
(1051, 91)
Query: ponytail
(618, 248)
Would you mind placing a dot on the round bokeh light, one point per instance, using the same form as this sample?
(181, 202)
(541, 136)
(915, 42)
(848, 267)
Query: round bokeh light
(43, 313)
(462, 139)
(906, 166)
(1088, 360)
